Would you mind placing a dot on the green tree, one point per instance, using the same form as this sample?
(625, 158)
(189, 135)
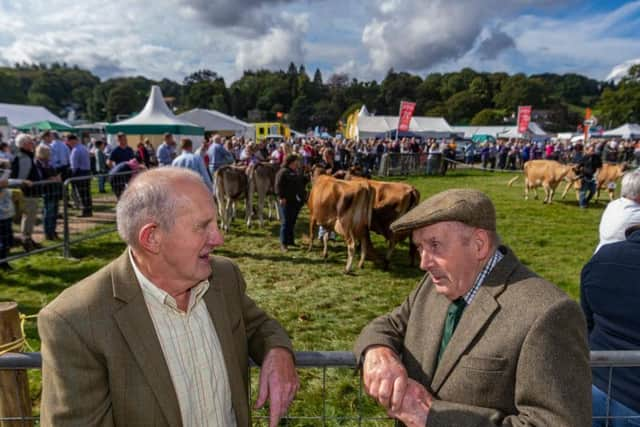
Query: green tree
(10, 89)
(123, 99)
(520, 90)
(462, 106)
(301, 113)
(488, 117)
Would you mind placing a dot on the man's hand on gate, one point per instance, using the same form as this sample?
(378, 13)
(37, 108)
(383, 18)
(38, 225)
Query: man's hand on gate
(384, 376)
(278, 383)
(415, 406)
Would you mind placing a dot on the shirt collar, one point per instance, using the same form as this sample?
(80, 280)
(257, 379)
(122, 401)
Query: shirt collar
(495, 258)
(150, 290)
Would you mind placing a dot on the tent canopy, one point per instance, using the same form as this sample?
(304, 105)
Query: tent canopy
(18, 115)
(215, 121)
(155, 119)
(46, 125)
(426, 127)
(626, 131)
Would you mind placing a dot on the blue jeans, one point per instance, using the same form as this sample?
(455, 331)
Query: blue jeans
(101, 180)
(288, 217)
(587, 190)
(616, 409)
(50, 215)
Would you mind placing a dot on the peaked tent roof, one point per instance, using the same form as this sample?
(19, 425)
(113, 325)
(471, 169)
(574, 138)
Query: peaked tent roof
(626, 131)
(213, 120)
(155, 119)
(18, 115)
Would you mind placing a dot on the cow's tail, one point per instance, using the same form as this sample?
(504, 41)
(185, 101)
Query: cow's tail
(512, 180)
(415, 199)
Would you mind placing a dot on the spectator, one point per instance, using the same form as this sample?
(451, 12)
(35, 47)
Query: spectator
(588, 167)
(621, 213)
(218, 155)
(60, 154)
(502, 346)
(142, 155)
(81, 170)
(23, 169)
(610, 297)
(7, 210)
(290, 187)
(51, 191)
(121, 174)
(166, 151)
(163, 334)
(122, 153)
(188, 160)
(101, 165)
(153, 160)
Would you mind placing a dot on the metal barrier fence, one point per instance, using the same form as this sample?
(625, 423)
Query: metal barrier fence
(52, 215)
(341, 359)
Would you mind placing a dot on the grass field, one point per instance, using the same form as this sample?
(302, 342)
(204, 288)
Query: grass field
(321, 308)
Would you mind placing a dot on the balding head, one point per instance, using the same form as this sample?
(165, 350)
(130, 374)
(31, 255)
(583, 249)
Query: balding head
(155, 196)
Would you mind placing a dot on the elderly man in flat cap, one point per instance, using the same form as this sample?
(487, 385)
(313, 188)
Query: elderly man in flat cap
(482, 340)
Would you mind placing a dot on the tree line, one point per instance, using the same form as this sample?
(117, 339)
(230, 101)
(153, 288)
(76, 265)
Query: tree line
(464, 97)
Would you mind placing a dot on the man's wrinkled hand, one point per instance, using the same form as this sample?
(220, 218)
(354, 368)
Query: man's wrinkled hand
(278, 383)
(384, 377)
(415, 406)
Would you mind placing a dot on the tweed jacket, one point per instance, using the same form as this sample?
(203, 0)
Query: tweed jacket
(519, 355)
(102, 361)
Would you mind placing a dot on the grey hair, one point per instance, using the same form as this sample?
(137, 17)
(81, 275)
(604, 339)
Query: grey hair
(631, 185)
(151, 197)
(22, 139)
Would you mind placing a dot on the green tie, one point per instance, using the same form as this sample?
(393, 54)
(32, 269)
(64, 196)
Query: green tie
(454, 313)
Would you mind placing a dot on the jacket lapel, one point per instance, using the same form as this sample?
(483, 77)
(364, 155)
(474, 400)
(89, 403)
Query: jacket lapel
(473, 320)
(217, 306)
(136, 326)
(475, 317)
(436, 312)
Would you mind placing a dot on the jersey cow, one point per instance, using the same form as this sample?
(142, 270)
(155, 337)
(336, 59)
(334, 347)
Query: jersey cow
(231, 186)
(346, 208)
(262, 177)
(543, 173)
(392, 200)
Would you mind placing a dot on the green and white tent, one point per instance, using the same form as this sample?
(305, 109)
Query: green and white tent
(154, 121)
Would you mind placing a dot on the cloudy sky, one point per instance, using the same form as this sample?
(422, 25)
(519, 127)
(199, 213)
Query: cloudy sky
(172, 38)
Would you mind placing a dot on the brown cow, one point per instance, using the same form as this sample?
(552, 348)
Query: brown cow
(345, 207)
(262, 177)
(606, 177)
(231, 186)
(543, 173)
(393, 199)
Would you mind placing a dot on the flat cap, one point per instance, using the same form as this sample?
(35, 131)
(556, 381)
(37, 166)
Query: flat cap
(470, 207)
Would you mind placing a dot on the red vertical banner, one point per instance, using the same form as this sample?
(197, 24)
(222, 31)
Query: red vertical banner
(406, 113)
(524, 117)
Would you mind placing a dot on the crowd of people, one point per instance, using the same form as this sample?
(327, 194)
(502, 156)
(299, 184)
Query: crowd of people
(481, 340)
(501, 345)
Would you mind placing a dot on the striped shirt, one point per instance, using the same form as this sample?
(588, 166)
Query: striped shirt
(192, 350)
(469, 296)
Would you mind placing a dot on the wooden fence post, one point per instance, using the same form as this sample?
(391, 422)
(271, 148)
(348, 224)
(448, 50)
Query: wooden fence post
(15, 401)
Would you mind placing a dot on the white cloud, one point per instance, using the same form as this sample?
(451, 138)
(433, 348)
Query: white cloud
(620, 71)
(418, 35)
(277, 48)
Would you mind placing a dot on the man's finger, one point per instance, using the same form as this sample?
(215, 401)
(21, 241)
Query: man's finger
(275, 411)
(263, 392)
(384, 393)
(399, 390)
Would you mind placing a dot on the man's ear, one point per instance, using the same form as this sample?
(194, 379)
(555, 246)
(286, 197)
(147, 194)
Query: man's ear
(150, 237)
(481, 242)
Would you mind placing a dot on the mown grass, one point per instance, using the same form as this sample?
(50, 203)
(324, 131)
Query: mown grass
(322, 308)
